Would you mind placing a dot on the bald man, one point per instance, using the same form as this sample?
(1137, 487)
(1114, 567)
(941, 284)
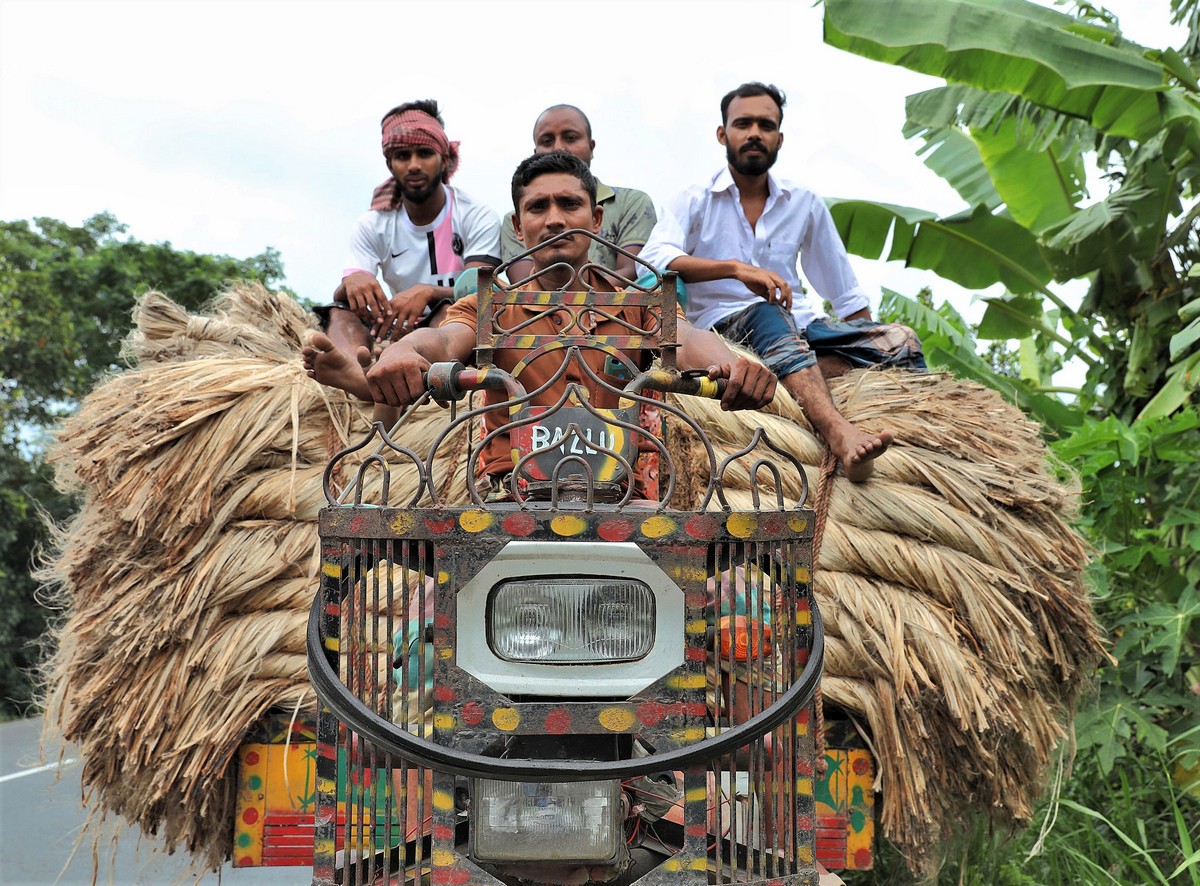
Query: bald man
(628, 213)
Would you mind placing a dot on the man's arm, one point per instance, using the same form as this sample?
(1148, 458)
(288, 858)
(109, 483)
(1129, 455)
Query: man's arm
(668, 248)
(826, 265)
(750, 385)
(398, 376)
(407, 307)
(634, 226)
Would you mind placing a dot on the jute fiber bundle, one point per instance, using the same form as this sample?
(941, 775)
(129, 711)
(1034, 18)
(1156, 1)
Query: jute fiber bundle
(959, 630)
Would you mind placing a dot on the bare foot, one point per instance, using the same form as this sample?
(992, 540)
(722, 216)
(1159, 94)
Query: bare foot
(325, 363)
(857, 451)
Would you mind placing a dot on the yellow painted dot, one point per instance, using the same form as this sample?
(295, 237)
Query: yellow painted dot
(446, 652)
(332, 644)
(475, 521)
(506, 719)
(803, 619)
(687, 681)
(804, 786)
(566, 524)
(689, 736)
(617, 719)
(444, 721)
(657, 526)
(796, 523)
(402, 523)
(672, 864)
(443, 577)
(803, 574)
(695, 795)
(333, 570)
(443, 858)
(443, 801)
(741, 525)
(697, 626)
(698, 864)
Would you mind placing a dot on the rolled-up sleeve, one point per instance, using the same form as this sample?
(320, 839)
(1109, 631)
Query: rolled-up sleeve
(668, 240)
(826, 265)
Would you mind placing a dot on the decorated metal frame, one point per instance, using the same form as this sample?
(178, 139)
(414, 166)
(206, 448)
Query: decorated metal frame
(731, 723)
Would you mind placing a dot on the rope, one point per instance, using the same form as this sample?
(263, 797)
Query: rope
(824, 490)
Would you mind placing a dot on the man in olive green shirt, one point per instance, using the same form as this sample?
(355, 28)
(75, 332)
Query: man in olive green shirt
(628, 214)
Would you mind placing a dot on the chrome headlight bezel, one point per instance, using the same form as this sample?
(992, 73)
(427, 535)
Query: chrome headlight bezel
(532, 560)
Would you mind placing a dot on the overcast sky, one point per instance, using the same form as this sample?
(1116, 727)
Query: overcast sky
(228, 127)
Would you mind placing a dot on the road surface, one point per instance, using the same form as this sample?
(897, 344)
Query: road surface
(41, 814)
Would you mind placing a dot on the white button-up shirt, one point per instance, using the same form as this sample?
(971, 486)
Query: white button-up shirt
(707, 221)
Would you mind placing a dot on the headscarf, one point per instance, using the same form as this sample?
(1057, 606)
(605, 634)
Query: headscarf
(412, 128)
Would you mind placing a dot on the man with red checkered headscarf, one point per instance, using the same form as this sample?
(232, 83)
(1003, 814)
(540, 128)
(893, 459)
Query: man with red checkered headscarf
(420, 233)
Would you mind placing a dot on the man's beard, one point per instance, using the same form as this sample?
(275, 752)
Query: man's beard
(751, 164)
(419, 196)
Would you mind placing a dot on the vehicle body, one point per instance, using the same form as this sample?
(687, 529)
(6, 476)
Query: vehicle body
(588, 682)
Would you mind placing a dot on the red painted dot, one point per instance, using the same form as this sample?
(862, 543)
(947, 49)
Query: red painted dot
(804, 767)
(804, 823)
(696, 653)
(245, 861)
(696, 830)
(862, 859)
(441, 832)
(697, 709)
(615, 530)
(450, 876)
(443, 693)
(696, 599)
(440, 527)
(252, 758)
(472, 713)
(558, 721)
(441, 620)
(802, 717)
(861, 765)
(250, 816)
(650, 713)
(519, 524)
(701, 527)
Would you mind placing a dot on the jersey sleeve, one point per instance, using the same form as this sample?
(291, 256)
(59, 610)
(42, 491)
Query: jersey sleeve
(481, 235)
(365, 250)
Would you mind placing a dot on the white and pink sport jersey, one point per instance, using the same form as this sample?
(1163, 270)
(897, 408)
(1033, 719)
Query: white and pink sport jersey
(407, 254)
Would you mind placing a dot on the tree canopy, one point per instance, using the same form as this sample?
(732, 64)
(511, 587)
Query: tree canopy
(67, 295)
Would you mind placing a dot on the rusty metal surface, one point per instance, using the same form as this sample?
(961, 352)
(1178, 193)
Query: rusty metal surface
(386, 622)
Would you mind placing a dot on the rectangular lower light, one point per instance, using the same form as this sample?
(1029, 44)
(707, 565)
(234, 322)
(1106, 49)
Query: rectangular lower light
(545, 821)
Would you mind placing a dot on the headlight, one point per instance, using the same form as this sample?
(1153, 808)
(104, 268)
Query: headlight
(571, 620)
(577, 822)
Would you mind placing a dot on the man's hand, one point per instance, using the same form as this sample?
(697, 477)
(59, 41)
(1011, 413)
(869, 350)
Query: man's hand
(365, 297)
(405, 310)
(398, 376)
(751, 385)
(765, 284)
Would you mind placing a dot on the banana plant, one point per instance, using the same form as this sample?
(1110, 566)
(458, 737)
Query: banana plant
(1031, 93)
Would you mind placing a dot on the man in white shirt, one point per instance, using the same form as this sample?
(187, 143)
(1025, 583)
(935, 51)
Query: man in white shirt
(420, 233)
(735, 241)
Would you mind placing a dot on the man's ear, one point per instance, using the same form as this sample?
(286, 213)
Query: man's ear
(721, 135)
(597, 218)
(780, 141)
(516, 223)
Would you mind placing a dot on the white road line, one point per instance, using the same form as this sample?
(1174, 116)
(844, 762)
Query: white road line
(36, 769)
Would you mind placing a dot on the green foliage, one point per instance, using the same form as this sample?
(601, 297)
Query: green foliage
(67, 296)
(66, 304)
(1033, 93)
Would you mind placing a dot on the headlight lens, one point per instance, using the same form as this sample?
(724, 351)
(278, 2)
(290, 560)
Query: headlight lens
(578, 822)
(571, 620)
